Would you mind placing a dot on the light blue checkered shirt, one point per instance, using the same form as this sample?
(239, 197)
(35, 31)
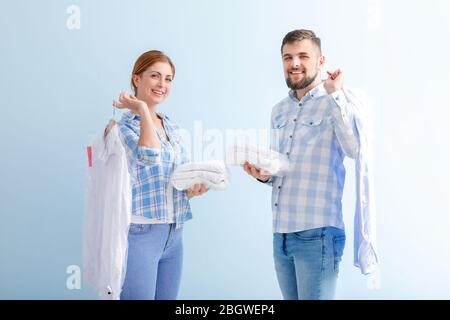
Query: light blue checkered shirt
(150, 170)
(316, 133)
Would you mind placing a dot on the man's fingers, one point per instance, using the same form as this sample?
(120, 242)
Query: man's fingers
(254, 172)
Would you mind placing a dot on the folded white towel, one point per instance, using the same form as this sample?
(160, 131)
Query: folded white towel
(270, 161)
(212, 165)
(211, 173)
(213, 177)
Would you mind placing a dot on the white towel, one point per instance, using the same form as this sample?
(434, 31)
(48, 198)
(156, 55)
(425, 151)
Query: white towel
(269, 161)
(211, 173)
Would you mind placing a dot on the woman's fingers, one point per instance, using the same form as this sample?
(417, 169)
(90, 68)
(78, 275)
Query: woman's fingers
(118, 104)
(198, 189)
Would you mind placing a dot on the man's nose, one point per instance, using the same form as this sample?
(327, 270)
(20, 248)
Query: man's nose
(295, 62)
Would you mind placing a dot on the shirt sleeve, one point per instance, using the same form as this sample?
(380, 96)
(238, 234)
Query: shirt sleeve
(342, 114)
(274, 140)
(143, 155)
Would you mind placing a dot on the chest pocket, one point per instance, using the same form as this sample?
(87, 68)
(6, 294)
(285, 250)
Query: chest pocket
(281, 131)
(310, 128)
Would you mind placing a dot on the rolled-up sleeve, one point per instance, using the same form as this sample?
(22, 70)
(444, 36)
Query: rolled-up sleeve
(142, 155)
(342, 113)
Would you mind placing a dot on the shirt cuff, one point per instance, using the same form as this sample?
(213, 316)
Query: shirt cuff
(340, 101)
(147, 155)
(267, 181)
(338, 97)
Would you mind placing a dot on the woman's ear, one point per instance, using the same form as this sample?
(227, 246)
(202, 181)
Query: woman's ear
(136, 80)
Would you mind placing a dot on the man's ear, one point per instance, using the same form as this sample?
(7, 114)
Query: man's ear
(321, 61)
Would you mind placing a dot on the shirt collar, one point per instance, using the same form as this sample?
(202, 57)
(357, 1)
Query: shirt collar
(130, 116)
(315, 92)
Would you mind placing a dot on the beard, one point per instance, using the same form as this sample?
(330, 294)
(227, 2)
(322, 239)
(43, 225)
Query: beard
(302, 84)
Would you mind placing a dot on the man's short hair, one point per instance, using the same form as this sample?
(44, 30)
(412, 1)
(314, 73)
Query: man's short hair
(299, 35)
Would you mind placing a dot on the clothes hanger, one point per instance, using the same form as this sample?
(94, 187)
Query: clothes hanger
(111, 123)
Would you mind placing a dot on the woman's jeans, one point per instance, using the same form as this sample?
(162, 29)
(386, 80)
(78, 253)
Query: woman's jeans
(155, 256)
(307, 262)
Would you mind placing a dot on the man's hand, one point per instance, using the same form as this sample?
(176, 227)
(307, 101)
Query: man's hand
(255, 172)
(197, 190)
(334, 81)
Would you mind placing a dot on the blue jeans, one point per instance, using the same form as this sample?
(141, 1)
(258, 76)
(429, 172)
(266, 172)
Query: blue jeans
(307, 262)
(155, 257)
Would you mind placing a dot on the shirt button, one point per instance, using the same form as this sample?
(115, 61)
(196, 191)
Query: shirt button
(276, 204)
(290, 136)
(287, 153)
(279, 187)
(295, 120)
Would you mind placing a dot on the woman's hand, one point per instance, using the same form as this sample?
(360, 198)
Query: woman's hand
(130, 102)
(197, 190)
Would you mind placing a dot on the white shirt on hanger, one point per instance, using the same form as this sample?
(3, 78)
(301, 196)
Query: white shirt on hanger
(107, 215)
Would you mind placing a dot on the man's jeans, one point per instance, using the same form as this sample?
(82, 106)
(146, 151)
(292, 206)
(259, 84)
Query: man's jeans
(307, 262)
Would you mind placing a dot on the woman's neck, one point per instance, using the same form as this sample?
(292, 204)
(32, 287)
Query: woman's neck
(151, 108)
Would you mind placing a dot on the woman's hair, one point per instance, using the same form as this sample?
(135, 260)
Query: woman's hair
(146, 60)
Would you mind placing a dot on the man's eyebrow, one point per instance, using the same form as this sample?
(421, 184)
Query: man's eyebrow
(299, 53)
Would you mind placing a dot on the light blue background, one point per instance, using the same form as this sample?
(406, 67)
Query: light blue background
(56, 90)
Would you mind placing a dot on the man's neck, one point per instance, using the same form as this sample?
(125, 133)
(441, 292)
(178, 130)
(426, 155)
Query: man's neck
(301, 92)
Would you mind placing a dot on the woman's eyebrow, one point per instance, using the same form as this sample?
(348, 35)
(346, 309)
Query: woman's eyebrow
(168, 75)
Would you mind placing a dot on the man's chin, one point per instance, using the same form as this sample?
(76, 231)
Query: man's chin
(295, 85)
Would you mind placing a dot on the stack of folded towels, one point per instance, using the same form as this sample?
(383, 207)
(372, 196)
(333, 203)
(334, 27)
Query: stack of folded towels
(267, 160)
(210, 173)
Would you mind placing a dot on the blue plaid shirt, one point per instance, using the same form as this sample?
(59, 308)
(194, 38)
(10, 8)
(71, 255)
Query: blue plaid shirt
(316, 133)
(150, 170)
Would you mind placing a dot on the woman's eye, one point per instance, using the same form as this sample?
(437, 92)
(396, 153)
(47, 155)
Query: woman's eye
(169, 80)
(155, 76)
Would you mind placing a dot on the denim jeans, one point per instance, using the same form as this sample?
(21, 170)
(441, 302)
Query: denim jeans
(307, 262)
(155, 257)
